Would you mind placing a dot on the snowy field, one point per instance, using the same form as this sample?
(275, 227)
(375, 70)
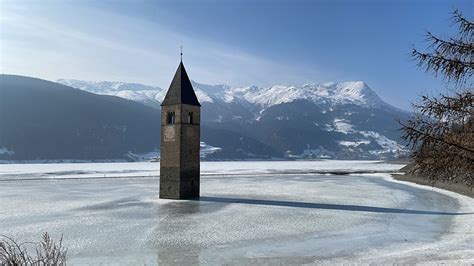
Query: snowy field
(249, 213)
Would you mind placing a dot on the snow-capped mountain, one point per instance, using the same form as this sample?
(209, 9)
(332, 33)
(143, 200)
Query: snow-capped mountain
(328, 93)
(355, 92)
(343, 120)
(149, 95)
(102, 87)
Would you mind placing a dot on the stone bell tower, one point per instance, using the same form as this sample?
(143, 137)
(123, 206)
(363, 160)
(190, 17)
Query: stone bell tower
(180, 139)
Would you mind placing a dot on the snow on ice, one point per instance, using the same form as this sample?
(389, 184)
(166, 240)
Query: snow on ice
(249, 213)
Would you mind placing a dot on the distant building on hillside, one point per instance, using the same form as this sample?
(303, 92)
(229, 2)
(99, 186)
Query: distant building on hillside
(180, 139)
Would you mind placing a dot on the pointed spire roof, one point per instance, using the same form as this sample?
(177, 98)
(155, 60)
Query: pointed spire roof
(181, 91)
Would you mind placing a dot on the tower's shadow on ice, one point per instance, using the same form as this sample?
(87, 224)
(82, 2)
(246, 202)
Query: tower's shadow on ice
(324, 206)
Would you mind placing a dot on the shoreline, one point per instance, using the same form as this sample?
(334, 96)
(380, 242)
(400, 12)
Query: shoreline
(453, 242)
(456, 187)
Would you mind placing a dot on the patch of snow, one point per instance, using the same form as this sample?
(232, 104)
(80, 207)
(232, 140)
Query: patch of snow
(281, 117)
(207, 149)
(353, 143)
(148, 96)
(203, 97)
(387, 144)
(319, 152)
(219, 119)
(328, 127)
(342, 126)
(6, 151)
(149, 156)
(106, 86)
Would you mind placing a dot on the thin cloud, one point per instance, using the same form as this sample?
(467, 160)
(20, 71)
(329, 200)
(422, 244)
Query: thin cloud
(98, 45)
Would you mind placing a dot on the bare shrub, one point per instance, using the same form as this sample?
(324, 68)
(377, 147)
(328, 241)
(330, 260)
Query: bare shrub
(45, 252)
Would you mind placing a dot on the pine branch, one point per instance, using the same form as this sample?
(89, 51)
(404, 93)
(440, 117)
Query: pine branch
(452, 108)
(453, 47)
(466, 27)
(425, 136)
(447, 154)
(451, 67)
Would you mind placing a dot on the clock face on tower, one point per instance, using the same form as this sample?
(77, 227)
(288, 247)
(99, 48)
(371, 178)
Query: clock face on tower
(169, 133)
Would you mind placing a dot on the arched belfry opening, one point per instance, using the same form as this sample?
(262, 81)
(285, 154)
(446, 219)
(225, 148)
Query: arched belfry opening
(180, 139)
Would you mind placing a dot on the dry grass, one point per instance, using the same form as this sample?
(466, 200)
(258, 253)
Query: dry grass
(45, 252)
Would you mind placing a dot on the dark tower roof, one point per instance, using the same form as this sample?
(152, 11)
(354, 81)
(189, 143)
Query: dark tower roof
(181, 91)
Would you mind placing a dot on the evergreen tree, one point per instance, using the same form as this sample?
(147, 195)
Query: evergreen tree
(441, 132)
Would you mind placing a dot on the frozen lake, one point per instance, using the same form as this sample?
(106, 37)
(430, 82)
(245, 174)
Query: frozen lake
(249, 213)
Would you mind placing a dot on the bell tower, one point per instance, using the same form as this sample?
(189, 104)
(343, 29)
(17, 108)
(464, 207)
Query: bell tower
(180, 139)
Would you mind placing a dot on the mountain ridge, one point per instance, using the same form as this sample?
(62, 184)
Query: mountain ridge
(349, 116)
(43, 120)
(357, 92)
(40, 119)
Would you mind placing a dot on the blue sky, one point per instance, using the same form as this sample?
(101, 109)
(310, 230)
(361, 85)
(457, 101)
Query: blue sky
(240, 43)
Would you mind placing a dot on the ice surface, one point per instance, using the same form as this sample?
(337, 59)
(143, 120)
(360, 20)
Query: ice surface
(249, 213)
(147, 169)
